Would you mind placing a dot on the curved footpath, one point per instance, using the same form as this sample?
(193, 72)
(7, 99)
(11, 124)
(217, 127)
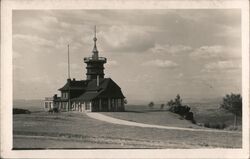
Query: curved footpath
(112, 120)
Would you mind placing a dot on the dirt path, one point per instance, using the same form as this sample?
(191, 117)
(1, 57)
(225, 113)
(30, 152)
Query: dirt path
(112, 120)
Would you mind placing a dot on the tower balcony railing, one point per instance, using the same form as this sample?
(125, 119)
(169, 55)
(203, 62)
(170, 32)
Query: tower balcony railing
(86, 59)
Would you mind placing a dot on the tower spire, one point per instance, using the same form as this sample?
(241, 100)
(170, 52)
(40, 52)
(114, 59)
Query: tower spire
(95, 51)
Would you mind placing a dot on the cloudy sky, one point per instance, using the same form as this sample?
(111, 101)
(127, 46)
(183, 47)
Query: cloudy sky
(152, 54)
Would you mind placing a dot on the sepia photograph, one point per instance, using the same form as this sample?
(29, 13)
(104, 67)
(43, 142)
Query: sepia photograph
(128, 79)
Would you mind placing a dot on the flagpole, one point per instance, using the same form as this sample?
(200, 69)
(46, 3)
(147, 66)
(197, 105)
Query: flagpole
(68, 63)
(69, 105)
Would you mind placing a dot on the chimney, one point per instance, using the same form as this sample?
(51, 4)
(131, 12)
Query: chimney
(97, 80)
(68, 80)
(74, 79)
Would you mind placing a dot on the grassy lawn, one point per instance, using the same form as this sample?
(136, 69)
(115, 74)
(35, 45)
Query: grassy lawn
(143, 114)
(211, 113)
(77, 130)
(203, 113)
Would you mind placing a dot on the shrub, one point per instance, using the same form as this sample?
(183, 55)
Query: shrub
(207, 125)
(215, 125)
(162, 106)
(189, 116)
(55, 110)
(151, 104)
(20, 111)
(176, 106)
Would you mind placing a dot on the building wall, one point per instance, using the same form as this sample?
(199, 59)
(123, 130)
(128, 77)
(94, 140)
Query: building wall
(108, 105)
(48, 105)
(97, 105)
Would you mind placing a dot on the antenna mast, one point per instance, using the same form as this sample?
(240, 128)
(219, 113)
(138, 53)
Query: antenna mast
(68, 64)
(69, 103)
(95, 31)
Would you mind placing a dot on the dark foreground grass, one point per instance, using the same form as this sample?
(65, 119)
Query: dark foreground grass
(85, 132)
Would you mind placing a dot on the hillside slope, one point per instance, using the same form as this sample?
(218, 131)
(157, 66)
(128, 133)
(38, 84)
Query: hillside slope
(142, 114)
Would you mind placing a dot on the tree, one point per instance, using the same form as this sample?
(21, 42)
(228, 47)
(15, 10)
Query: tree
(233, 103)
(151, 104)
(170, 103)
(125, 101)
(178, 100)
(162, 106)
(177, 107)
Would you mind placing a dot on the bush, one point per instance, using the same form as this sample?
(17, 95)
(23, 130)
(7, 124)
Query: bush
(189, 116)
(215, 125)
(54, 110)
(20, 111)
(207, 125)
(183, 110)
(151, 104)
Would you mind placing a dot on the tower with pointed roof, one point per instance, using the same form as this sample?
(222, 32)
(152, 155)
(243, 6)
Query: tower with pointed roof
(95, 94)
(95, 64)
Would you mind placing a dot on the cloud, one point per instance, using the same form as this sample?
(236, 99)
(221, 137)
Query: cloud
(207, 52)
(180, 75)
(221, 66)
(111, 63)
(32, 39)
(16, 55)
(172, 49)
(65, 25)
(41, 79)
(216, 51)
(161, 63)
(49, 19)
(122, 38)
(17, 67)
(229, 31)
(73, 66)
(148, 78)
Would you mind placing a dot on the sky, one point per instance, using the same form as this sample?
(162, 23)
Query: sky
(153, 55)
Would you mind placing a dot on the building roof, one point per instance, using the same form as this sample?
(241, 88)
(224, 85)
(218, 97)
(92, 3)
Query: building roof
(87, 96)
(107, 89)
(74, 85)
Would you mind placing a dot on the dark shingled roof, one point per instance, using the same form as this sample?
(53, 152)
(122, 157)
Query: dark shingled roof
(87, 96)
(103, 83)
(107, 89)
(74, 85)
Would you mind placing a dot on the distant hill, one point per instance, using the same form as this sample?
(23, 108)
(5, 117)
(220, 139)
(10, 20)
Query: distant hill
(31, 105)
(217, 100)
(37, 104)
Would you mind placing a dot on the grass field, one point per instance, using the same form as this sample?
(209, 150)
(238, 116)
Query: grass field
(77, 130)
(211, 113)
(143, 114)
(203, 113)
